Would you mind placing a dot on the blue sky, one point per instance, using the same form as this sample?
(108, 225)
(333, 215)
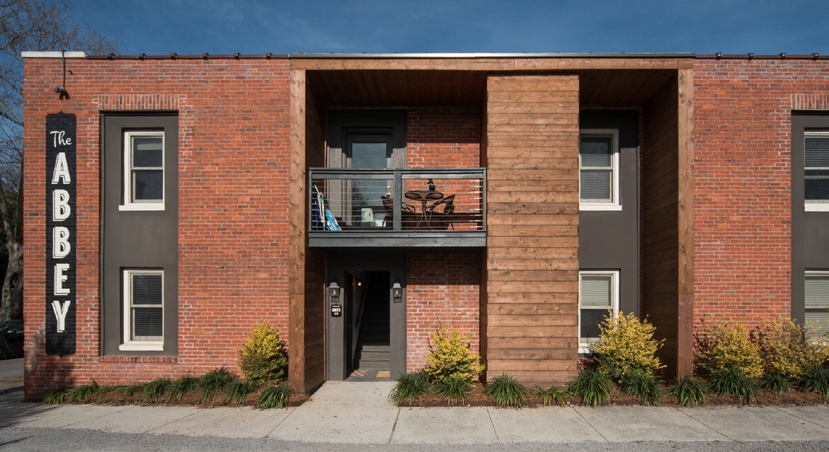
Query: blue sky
(189, 27)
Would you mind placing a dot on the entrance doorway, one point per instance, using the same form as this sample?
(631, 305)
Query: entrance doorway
(366, 327)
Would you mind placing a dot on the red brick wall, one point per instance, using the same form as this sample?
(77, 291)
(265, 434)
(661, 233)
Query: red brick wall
(233, 214)
(742, 183)
(442, 287)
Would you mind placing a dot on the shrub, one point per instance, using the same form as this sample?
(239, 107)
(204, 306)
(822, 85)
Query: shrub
(274, 397)
(816, 379)
(55, 397)
(450, 357)
(237, 390)
(626, 344)
(81, 393)
(409, 387)
(688, 391)
(454, 390)
(776, 382)
(783, 348)
(594, 387)
(727, 346)
(734, 381)
(179, 387)
(153, 390)
(214, 381)
(643, 385)
(506, 392)
(552, 394)
(262, 357)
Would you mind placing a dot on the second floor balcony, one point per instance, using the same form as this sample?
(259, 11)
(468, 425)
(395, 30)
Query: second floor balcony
(397, 207)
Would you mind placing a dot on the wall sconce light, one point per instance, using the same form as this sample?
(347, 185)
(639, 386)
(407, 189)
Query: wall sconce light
(64, 94)
(359, 283)
(334, 293)
(397, 293)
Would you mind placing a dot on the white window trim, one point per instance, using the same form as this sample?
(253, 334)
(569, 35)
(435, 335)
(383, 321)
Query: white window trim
(585, 343)
(150, 205)
(614, 204)
(133, 345)
(813, 273)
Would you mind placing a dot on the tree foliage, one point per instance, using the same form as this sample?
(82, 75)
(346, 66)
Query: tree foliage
(26, 25)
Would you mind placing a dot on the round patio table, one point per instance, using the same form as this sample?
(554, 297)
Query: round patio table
(424, 196)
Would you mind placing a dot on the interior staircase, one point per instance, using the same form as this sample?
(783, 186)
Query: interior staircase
(373, 343)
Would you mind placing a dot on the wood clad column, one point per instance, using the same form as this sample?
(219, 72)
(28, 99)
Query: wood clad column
(531, 305)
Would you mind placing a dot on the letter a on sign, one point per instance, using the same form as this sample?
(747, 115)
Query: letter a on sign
(61, 233)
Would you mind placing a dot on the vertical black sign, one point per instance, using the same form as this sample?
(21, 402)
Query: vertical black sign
(61, 233)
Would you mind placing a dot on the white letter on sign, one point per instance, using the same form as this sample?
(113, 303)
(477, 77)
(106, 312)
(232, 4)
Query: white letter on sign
(60, 278)
(60, 313)
(60, 242)
(61, 170)
(60, 205)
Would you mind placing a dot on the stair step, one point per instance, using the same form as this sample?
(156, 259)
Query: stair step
(374, 364)
(374, 356)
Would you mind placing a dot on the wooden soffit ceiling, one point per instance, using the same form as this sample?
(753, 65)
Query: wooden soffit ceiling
(371, 88)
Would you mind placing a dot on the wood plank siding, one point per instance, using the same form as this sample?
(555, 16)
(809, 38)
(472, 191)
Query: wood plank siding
(531, 307)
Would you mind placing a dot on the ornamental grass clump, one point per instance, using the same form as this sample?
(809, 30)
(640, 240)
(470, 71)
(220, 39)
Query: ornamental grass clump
(154, 390)
(593, 386)
(213, 382)
(505, 392)
(643, 385)
(262, 358)
(553, 394)
(734, 381)
(626, 344)
(726, 346)
(454, 390)
(410, 388)
(274, 397)
(451, 357)
(816, 379)
(688, 391)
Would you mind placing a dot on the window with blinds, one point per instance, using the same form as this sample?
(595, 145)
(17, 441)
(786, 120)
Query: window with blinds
(598, 298)
(598, 170)
(816, 171)
(817, 303)
(143, 170)
(143, 310)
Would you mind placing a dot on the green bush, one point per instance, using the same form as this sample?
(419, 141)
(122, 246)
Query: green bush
(688, 391)
(552, 394)
(451, 357)
(262, 357)
(776, 382)
(237, 391)
(454, 390)
(727, 346)
(214, 381)
(274, 397)
(734, 381)
(643, 385)
(153, 390)
(506, 392)
(626, 344)
(409, 387)
(181, 386)
(594, 387)
(816, 379)
(80, 394)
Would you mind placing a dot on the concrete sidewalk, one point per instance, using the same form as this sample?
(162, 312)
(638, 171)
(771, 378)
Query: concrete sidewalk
(359, 413)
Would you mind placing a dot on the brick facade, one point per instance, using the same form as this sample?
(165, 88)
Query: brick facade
(233, 247)
(742, 182)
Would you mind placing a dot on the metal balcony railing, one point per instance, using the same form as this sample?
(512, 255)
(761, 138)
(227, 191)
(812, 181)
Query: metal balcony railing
(409, 200)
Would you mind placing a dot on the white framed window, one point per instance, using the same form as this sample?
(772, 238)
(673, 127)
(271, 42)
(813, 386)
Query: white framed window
(598, 298)
(143, 310)
(599, 169)
(816, 170)
(816, 315)
(143, 170)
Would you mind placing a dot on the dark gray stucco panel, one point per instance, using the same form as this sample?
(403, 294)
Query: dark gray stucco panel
(137, 240)
(609, 240)
(810, 230)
